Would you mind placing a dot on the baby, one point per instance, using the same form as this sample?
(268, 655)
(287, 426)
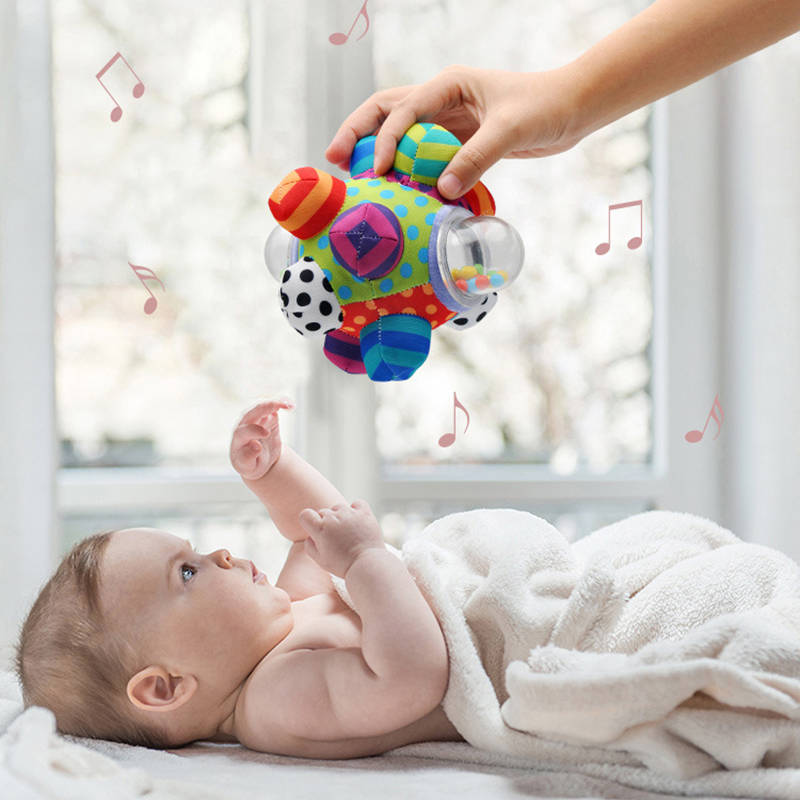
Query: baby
(138, 638)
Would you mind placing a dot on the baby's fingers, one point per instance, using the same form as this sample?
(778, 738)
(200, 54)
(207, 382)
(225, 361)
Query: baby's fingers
(261, 411)
(310, 520)
(311, 550)
(361, 505)
(245, 433)
(245, 458)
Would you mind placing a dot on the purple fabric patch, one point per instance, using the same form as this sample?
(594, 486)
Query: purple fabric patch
(367, 240)
(344, 351)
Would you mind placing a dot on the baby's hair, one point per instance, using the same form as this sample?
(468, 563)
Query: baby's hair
(68, 660)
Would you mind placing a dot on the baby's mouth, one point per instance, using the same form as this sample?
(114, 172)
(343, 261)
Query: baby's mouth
(257, 576)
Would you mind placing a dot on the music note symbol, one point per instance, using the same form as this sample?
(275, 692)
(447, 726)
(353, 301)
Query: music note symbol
(151, 303)
(604, 247)
(340, 38)
(696, 436)
(449, 438)
(138, 90)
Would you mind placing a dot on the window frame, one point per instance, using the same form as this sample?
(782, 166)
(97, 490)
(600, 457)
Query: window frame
(28, 453)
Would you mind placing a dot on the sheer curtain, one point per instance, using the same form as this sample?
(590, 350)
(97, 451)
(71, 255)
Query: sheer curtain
(761, 302)
(27, 424)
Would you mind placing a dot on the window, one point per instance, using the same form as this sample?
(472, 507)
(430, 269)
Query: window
(568, 382)
(565, 380)
(147, 401)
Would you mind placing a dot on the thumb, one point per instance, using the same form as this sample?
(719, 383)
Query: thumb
(310, 521)
(311, 549)
(483, 149)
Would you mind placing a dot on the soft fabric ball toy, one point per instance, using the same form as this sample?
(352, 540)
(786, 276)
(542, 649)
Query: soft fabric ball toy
(374, 264)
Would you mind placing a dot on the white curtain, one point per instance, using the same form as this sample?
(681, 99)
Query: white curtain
(761, 301)
(28, 455)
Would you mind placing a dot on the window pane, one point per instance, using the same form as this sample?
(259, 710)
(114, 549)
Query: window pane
(559, 372)
(170, 187)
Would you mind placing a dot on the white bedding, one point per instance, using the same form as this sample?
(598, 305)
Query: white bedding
(36, 764)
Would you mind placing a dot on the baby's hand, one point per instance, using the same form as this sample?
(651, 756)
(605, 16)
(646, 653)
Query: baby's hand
(338, 535)
(256, 442)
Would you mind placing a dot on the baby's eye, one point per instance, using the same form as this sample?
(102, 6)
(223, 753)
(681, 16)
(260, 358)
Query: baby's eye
(190, 569)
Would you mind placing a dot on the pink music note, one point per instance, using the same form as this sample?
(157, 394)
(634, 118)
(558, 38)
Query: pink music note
(449, 438)
(340, 38)
(695, 436)
(151, 303)
(138, 90)
(604, 247)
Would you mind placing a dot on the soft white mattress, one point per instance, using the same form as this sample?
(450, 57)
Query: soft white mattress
(35, 763)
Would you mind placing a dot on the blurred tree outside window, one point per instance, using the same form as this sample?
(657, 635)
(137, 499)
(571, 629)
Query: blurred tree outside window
(169, 187)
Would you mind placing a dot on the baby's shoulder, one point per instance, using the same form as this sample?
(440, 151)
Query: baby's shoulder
(259, 719)
(286, 706)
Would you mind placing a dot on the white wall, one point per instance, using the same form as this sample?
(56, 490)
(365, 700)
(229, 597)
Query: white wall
(760, 197)
(27, 408)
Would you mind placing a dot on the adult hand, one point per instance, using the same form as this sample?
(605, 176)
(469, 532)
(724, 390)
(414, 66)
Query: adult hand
(495, 114)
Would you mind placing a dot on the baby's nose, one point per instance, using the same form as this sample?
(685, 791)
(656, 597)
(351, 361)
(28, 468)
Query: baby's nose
(222, 558)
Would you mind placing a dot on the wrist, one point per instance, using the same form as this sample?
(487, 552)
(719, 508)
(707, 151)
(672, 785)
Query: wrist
(583, 108)
(366, 559)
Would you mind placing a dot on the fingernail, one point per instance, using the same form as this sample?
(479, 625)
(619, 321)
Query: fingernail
(449, 185)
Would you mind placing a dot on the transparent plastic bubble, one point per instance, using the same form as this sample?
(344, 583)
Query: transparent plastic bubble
(478, 256)
(278, 251)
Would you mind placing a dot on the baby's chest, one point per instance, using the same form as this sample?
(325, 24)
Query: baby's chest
(324, 621)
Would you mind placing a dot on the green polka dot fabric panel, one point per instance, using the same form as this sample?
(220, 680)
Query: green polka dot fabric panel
(416, 213)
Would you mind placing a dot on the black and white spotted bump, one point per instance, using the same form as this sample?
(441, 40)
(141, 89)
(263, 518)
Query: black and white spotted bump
(468, 319)
(307, 299)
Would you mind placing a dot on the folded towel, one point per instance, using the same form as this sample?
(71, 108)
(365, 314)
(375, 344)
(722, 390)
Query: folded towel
(37, 763)
(661, 646)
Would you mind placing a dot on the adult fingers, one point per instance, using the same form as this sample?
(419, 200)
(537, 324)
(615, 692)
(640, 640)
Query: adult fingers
(484, 148)
(424, 102)
(365, 120)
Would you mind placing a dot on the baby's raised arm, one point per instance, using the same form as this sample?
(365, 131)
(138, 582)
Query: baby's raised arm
(281, 479)
(285, 484)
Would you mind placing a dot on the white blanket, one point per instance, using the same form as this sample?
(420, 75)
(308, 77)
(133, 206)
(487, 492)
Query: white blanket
(661, 648)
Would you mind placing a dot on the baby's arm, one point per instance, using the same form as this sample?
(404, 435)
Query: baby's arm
(285, 484)
(400, 672)
(403, 668)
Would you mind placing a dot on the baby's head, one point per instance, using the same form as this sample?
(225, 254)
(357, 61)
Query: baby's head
(137, 638)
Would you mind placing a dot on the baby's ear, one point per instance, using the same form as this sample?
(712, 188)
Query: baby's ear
(154, 689)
